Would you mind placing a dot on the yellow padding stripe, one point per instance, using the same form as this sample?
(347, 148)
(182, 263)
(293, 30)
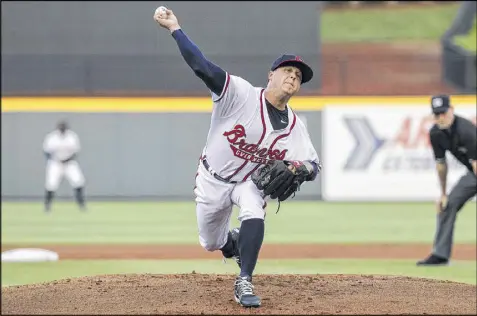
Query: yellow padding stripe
(188, 104)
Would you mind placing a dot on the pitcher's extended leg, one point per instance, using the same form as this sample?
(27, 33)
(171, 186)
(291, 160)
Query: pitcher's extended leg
(252, 229)
(250, 242)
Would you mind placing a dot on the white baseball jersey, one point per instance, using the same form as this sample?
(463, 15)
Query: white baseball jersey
(241, 136)
(61, 146)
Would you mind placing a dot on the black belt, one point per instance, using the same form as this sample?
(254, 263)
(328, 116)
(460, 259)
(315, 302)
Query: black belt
(212, 172)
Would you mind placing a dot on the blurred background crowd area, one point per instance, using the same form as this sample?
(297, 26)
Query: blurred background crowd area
(355, 47)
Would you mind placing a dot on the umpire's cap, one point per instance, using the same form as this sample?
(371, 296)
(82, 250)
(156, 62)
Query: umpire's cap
(297, 61)
(440, 103)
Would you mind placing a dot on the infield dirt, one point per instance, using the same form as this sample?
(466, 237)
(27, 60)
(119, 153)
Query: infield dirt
(194, 293)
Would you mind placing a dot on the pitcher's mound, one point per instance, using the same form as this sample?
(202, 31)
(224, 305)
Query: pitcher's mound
(213, 294)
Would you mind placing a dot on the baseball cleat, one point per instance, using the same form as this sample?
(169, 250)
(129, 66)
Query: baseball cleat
(243, 292)
(433, 260)
(235, 237)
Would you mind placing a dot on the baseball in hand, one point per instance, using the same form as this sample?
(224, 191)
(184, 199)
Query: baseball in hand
(161, 11)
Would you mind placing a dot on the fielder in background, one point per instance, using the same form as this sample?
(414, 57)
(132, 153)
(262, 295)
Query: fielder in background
(257, 148)
(61, 148)
(457, 135)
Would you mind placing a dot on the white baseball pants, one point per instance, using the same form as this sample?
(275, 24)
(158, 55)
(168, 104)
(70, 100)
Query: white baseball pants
(214, 202)
(55, 171)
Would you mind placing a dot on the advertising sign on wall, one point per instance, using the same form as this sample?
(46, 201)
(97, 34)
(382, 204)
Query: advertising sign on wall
(373, 153)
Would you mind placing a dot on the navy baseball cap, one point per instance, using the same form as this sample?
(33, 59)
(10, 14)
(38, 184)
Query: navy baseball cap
(440, 104)
(297, 61)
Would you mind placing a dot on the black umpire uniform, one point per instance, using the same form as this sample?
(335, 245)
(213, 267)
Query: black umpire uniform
(460, 139)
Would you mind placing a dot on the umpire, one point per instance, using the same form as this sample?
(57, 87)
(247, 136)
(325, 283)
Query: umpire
(459, 136)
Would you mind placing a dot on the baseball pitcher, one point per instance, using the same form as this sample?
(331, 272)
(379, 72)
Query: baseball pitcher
(61, 148)
(257, 149)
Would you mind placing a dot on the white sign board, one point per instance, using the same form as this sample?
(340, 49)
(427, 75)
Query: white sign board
(382, 153)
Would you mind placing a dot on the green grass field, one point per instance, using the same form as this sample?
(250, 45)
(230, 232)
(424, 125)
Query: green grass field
(381, 25)
(175, 222)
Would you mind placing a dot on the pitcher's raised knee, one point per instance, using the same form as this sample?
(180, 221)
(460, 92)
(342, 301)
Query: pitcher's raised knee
(211, 246)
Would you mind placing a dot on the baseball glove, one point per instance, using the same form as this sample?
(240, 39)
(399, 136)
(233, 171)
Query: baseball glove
(280, 179)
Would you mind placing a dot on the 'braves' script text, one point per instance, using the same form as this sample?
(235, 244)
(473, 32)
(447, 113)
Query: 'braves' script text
(251, 152)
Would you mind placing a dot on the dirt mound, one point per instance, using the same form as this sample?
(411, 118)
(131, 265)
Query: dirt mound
(212, 294)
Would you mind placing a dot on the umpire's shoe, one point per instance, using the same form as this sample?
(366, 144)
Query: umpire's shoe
(235, 237)
(243, 292)
(433, 260)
